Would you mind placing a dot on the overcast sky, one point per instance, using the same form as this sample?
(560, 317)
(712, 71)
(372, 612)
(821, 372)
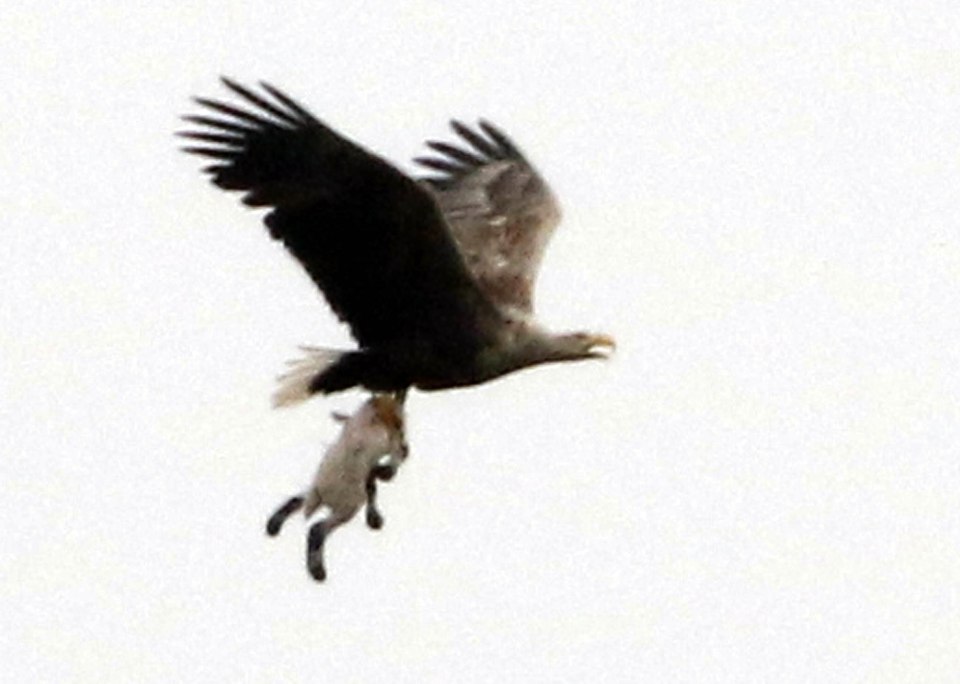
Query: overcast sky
(761, 205)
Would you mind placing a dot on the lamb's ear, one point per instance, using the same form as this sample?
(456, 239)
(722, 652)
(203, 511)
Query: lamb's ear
(339, 417)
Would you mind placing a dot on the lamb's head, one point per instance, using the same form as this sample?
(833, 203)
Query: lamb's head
(375, 434)
(388, 412)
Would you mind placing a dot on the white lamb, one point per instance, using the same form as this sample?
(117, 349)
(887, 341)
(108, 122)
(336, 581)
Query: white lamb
(372, 445)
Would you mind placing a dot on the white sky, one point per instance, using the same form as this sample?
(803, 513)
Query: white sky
(761, 205)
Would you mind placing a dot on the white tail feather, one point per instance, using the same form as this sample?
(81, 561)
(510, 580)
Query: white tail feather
(295, 383)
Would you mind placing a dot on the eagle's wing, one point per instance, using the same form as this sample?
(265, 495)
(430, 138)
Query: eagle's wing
(370, 237)
(501, 212)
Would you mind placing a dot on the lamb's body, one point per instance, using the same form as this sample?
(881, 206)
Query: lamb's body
(371, 446)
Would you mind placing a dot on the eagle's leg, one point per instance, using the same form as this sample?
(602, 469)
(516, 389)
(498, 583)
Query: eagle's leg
(374, 519)
(315, 539)
(280, 516)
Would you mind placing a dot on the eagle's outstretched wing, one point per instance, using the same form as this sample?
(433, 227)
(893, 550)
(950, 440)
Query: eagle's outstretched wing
(371, 238)
(501, 212)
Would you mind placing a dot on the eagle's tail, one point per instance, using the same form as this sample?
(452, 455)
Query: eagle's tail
(297, 383)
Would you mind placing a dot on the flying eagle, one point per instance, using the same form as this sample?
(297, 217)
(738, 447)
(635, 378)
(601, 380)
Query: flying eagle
(434, 276)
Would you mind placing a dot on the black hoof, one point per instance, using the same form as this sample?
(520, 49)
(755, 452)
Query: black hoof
(315, 552)
(274, 524)
(285, 511)
(384, 472)
(374, 520)
(317, 571)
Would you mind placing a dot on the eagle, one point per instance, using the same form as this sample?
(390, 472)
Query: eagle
(434, 275)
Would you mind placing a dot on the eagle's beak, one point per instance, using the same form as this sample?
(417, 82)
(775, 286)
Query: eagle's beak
(602, 346)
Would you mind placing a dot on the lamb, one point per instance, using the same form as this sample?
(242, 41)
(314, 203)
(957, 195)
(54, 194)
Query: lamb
(372, 445)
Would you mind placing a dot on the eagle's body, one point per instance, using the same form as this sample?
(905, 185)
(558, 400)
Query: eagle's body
(434, 277)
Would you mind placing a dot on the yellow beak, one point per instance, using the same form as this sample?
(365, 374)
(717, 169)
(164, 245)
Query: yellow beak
(607, 345)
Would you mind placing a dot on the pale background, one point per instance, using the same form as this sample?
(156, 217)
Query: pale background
(762, 205)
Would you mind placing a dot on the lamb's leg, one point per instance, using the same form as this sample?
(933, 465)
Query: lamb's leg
(285, 511)
(374, 519)
(315, 539)
(384, 472)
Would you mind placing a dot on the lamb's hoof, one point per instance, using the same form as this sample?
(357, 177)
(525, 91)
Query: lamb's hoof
(315, 540)
(317, 571)
(315, 565)
(384, 473)
(273, 526)
(374, 520)
(280, 516)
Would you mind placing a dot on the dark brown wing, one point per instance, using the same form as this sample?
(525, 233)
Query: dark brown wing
(501, 212)
(371, 238)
